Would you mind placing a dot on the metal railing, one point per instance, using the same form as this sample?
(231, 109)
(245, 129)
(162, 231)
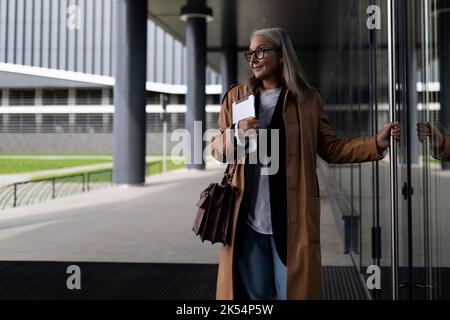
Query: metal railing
(34, 191)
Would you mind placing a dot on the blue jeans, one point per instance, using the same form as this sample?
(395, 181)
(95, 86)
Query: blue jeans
(261, 272)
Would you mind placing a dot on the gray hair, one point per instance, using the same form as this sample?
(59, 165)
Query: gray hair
(291, 74)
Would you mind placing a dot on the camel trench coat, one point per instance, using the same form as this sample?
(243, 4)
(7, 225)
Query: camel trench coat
(308, 133)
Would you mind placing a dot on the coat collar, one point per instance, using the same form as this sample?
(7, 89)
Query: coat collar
(302, 103)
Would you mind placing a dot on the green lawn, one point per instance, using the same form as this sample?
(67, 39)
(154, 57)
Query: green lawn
(156, 166)
(152, 168)
(64, 154)
(55, 154)
(30, 165)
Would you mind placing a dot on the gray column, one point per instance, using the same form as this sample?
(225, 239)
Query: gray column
(196, 80)
(130, 42)
(38, 101)
(228, 63)
(5, 97)
(71, 101)
(38, 97)
(5, 102)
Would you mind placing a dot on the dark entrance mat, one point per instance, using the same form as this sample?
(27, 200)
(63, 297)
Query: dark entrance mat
(154, 281)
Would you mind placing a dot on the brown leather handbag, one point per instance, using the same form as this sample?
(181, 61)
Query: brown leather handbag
(215, 210)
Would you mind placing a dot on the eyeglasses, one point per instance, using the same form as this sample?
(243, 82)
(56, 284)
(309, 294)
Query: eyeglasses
(259, 53)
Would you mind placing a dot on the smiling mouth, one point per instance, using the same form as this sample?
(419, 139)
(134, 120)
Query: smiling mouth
(257, 68)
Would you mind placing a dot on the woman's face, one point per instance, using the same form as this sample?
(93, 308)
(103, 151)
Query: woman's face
(267, 67)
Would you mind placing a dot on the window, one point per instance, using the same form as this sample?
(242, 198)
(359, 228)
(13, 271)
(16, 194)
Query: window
(89, 96)
(179, 99)
(213, 99)
(55, 97)
(21, 97)
(54, 123)
(152, 97)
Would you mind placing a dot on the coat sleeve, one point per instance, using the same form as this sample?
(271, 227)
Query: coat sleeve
(343, 150)
(444, 153)
(224, 147)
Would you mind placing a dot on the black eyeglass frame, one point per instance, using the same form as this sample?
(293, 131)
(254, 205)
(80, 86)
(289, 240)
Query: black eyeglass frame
(259, 53)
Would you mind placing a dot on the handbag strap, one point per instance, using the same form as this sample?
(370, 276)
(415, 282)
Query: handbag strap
(228, 175)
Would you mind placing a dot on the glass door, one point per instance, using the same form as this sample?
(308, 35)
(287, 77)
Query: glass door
(422, 94)
(431, 254)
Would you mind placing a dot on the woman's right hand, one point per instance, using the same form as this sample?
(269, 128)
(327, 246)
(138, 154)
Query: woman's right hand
(250, 126)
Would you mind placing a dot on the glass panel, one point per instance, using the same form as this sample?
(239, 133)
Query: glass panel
(383, 214)
(430, 169)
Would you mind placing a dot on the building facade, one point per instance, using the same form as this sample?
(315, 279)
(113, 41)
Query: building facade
(56, 78)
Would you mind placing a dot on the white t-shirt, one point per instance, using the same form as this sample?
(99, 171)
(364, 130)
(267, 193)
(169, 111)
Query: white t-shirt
(259, 217)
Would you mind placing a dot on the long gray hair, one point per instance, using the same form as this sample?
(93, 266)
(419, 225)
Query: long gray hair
(291, 74)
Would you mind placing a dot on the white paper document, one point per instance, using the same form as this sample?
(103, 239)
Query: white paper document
(243, 108)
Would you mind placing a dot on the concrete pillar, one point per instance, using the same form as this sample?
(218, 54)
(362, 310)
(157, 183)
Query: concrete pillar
(105, 102)
(5, 102)
(72, 97)
(105, 96)
(228, 62)
(195, 14)
(38, 101)
(130, 44)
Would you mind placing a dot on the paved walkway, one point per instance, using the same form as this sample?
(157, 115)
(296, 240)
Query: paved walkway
(129, 224)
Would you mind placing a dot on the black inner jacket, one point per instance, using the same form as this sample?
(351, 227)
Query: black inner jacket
(278, 198)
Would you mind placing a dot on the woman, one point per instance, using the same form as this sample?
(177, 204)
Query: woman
(275, 247)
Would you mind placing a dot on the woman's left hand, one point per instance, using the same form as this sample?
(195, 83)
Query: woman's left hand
(383, 137)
